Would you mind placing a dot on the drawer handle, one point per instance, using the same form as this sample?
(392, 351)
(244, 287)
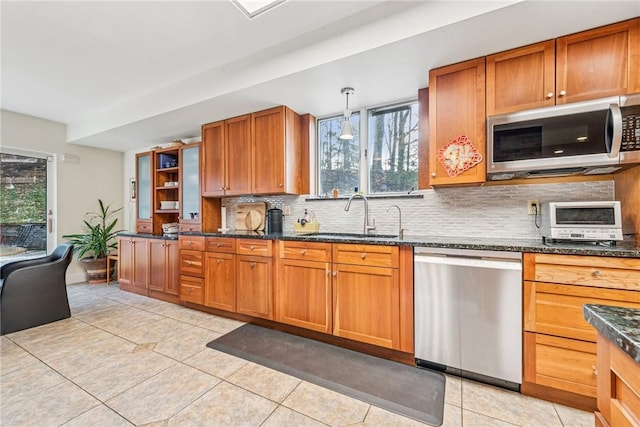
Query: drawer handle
(190, 289)
(363, 255)
(596, 273)
(303, 251)
(219, 245)
(252, 247)
(188, 262)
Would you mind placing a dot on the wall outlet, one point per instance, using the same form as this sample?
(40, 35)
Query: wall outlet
(533, 207)
(286, 210)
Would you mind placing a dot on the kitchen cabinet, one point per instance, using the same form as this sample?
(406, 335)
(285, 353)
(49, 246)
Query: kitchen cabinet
(559, 345)
(304, 285)
(220, 273)
(600, 62)
(191, 268)
(226, 157)
(133, 264)
(457, 108)
(618, 386)
(144, 192)
(190, 201)
(278, 165)
(164, 269)
(254, 280)
(166, 183)
(366, 294)
(521, 79)
(588, 65)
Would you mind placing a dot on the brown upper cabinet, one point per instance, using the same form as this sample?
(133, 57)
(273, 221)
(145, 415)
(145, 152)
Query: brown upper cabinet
(591, 64)
(457, 108)
(259, 153)
(226, 157)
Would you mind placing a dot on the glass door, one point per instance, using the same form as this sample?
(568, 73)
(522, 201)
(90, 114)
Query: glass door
(27, 204)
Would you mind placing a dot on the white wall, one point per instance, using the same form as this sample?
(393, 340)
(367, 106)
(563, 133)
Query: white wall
(97, 175)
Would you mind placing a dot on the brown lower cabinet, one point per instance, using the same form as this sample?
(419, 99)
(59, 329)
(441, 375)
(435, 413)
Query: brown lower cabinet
(254, 278)
(133, 264)
(559, 345)
(618, 387)
(164, 269)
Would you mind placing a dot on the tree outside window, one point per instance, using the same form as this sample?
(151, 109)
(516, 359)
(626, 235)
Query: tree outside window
(338, 159)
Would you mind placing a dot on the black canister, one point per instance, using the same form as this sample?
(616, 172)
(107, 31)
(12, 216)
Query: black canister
(274, 220)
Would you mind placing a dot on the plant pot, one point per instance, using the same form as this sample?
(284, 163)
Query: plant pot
(96, 269)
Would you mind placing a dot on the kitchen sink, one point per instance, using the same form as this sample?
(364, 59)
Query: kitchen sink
(351, 236)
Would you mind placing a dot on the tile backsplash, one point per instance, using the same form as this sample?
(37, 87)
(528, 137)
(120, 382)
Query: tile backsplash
(496, 211)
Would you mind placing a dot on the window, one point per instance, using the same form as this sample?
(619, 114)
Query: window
(390, 145)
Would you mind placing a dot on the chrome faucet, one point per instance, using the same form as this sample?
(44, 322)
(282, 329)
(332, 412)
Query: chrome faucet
(366, 227)
(400, 229)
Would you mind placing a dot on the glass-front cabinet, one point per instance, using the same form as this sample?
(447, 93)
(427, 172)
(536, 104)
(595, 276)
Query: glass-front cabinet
(144, 193)
(190, 204)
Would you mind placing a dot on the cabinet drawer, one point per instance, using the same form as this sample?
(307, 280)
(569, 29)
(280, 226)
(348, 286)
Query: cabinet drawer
(191, 263)
(557, 309)
(254, 247)
(305, 251)
(221, 244)
(192, 289)
(604, 272)
(195, 243)
(189, 227)
(369, 255)
(144, 227)
(560, 363)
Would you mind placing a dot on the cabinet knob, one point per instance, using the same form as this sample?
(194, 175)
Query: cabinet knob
(550, 95)
(433, 174)
(221, 188)
(252, 247)
(219, 261)
(335, 273)
(595, 370)
(303, 251)
(188, 262)
(281, 185)
(253, 264)
(328, 272)
(219, 245)
(563, 92)
(190, 289)
(596, 273)
(363, 255)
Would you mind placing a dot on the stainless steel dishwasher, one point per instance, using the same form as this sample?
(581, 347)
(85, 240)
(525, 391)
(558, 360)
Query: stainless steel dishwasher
(468, 313)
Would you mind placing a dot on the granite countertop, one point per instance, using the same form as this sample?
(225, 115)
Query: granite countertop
(620, 325)
(628, 249)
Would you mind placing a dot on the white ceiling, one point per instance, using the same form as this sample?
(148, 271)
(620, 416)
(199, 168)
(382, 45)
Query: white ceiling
(127, 75)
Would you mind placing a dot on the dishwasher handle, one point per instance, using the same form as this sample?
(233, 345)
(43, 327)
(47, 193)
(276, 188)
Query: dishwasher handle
(500, 264)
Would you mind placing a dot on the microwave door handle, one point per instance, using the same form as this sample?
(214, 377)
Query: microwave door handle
(613, 131)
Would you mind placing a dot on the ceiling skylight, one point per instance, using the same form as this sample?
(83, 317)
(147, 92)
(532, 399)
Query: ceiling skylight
(253, 8)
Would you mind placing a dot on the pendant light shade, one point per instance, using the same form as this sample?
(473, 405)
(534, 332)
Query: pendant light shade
(347, 130)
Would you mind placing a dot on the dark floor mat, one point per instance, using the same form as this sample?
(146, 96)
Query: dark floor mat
(407, 390)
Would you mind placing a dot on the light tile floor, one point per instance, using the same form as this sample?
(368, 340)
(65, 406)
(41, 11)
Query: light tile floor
(123, 359)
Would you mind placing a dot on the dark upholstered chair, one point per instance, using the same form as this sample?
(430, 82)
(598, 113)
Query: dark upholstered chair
(34, 292)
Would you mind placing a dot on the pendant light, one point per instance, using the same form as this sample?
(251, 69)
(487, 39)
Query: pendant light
(347, 130)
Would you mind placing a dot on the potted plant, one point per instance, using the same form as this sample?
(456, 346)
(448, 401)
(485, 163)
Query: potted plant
(93, 246)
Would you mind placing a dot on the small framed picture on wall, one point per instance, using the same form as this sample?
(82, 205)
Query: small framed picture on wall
(132, 189)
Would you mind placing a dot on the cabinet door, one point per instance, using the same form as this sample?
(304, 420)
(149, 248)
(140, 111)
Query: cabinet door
(303, 294)
(238, 155)
(213, 160)
(268, 160)
(190, 211)
(457, 108)
(220, 281)
(144, 193)
(141, 263)
(254, 286)
(125, 261)
(172, 284)
(597, 63)
(157, 265)
(366, 304)
(521, 79)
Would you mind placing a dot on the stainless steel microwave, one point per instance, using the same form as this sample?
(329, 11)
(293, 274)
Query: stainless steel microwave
(580, 221)
(592, 137)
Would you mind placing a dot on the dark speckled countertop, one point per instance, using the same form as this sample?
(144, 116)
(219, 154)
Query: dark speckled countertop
(620, 325)
(622, 249)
